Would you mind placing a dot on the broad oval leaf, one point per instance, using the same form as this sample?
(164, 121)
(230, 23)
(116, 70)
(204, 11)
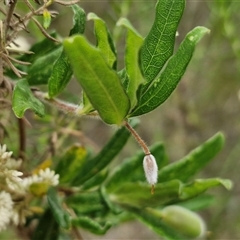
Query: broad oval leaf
(101, 84)
(24, 99)
(159, 43)
(62, 71)
(104, 40)
(161, 88)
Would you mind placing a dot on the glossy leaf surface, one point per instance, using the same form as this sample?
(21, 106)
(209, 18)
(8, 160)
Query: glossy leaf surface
(100, 83)
(159, 44)
(160, 89)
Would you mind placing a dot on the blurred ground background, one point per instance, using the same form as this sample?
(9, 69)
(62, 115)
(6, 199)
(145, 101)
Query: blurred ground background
(205, 102)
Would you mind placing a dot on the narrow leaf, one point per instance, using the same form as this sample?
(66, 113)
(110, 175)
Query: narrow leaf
(132, 61)
(104, 40)
(79, 20)
(161, 88)
(62, 71)
(159, 43)
(194, 161)
(139, 194)
(23, 99)
(201, 185)
(87, 203)
(100, 83)
(71, 163)
(105, 156)
(60, 215)
(91, 225)
(47, 227)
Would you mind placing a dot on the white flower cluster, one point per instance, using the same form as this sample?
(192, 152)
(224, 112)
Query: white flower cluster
(8, 168)
(6, 208)
(14, 185)
(46, 176)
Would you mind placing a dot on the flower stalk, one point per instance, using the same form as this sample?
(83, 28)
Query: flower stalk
(149, 162)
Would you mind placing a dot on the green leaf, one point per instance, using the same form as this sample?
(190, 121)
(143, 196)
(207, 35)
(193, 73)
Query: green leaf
(91, 225)
(100, 83)
(105, 156)
(47, 228)
(199, 202)
(96, 180)
(41, 49)
(71, 163)
(62, 71)
(79, 20)
(24, 99)
(104, 40)
(133, 44)
(131, 169)
(201, 185)
(153, 219)
(194, 161)
(60, 77)
(138, 194)
(184, 221)
(159, 44)
(46, 18)
(40, 71)
(60, 215)
(87, 203)
(161, 88)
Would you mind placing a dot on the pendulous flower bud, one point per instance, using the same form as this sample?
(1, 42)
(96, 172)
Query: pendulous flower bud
(150, 169)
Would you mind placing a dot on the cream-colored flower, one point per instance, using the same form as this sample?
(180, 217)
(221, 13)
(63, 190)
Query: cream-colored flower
(44, 176)
(49, 177)
(12, 178)
(4, 155)
(6, 209)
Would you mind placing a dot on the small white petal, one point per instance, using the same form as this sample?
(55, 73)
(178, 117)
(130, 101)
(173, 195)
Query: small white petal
(150, 169)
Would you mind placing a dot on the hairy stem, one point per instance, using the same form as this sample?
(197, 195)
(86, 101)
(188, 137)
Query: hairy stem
(138, 138)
